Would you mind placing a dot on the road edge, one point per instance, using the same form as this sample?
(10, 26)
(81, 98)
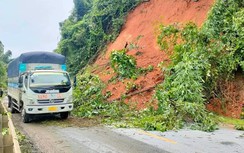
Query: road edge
(16, 147)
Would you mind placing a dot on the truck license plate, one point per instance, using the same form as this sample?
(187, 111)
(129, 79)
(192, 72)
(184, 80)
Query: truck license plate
(53, 108)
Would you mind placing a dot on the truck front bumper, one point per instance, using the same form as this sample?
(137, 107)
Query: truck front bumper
(47, 109)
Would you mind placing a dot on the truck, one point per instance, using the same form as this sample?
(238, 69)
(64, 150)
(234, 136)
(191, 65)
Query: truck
(38, 83)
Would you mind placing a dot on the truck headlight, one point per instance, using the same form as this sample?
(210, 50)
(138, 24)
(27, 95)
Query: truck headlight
(31, 101)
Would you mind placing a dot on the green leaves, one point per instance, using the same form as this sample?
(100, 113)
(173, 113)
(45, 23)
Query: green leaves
(4, 60)
(182, 93)
(88, 89)
(90, 27)
(81, 8)
(225, 23)
(89, 100)
(171, 32)
(201, 59)
(124, 65)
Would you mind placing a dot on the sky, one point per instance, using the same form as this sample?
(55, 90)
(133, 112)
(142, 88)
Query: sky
(32, 25)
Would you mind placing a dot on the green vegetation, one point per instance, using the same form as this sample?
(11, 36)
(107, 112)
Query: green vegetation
(238, 123)
(224, 29)
(240, 127)
(5, 131)
(181, 95)
(200, 58)
(4, 59)
(26, 145)
(131, 86)
(90, 27)
(125, 65)
(20, 136)
(90, 102)
(88, 96)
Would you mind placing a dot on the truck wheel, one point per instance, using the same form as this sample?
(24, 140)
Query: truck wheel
(25, 117)
(12, 109)
(64, 115)
(9, 101)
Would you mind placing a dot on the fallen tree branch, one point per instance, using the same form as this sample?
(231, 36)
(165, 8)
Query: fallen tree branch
(135, 93)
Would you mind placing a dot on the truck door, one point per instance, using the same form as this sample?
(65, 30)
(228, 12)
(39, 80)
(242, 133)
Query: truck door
(23, 88)
(20, 89)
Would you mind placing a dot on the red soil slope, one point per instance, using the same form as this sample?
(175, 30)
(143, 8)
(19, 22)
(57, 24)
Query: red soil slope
(143, 21)
(231, 104)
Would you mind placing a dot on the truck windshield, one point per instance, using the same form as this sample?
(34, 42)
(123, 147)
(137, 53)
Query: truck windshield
(49, 79)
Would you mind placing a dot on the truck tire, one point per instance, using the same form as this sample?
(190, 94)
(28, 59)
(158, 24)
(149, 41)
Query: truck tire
(9, 101)
(64, 115)
(25, 117)
(12, 109)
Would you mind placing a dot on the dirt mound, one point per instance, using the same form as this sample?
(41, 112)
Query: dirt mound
(231, 101)
(143, 22)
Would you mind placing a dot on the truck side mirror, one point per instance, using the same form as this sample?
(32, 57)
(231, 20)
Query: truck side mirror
(20, 81)
(20, 85)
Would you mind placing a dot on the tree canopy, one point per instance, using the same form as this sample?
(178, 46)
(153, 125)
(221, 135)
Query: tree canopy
(92, 24)
(4, 60)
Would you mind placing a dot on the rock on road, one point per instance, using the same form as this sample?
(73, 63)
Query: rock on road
(100, 139)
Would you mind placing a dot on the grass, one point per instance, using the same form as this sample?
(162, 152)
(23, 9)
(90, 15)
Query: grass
(237, 123)
(26, 145)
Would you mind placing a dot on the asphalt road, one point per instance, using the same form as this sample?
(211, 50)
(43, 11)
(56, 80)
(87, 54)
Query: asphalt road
(99, 139)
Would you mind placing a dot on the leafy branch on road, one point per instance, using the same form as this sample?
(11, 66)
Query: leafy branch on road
(90, 102)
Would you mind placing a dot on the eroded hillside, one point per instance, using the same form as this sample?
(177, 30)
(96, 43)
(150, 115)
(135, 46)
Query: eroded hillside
(140, 31)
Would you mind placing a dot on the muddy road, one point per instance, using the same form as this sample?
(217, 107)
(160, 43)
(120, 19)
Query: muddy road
(49, 134)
